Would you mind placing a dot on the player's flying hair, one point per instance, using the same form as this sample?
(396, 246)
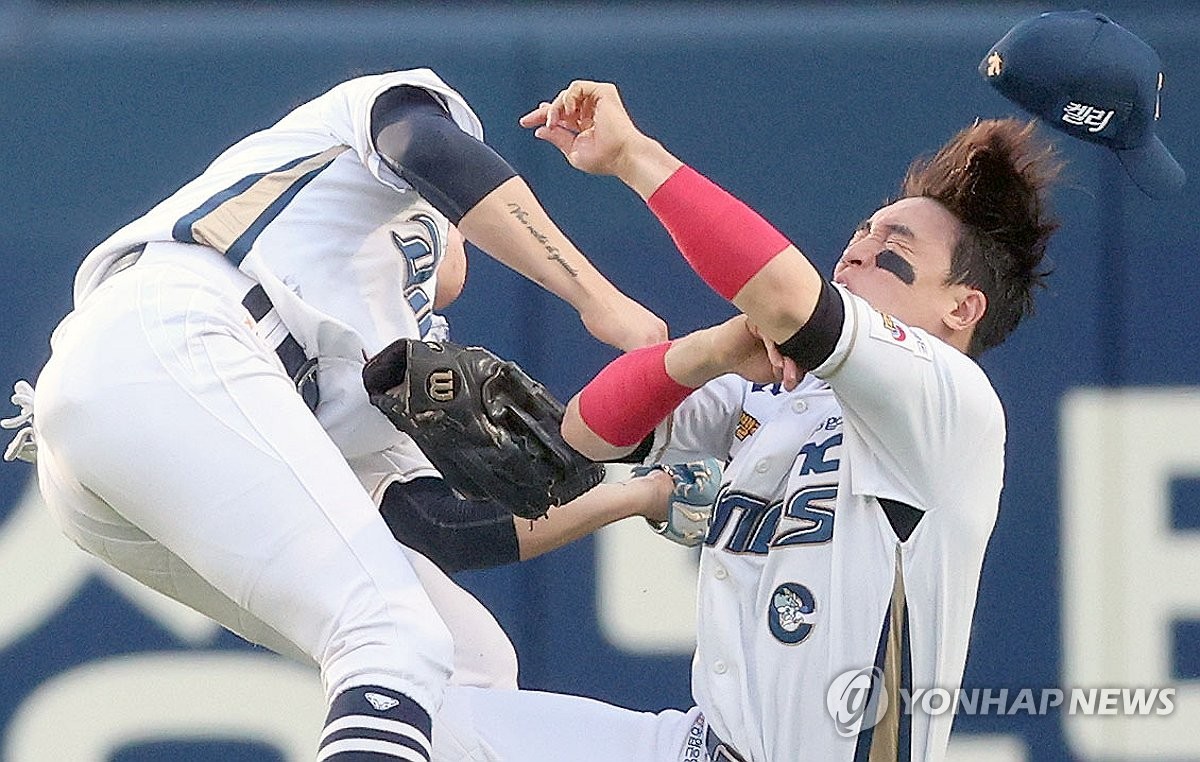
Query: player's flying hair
(994, 176)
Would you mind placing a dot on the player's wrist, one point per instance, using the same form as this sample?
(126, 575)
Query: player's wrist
(698, 358)
(655, 507)
(645, 164)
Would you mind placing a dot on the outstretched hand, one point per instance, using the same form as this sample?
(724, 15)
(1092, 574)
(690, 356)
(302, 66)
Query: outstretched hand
(589, 124)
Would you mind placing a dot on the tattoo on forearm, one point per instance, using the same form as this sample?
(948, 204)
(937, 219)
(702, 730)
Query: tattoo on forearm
(552, 251)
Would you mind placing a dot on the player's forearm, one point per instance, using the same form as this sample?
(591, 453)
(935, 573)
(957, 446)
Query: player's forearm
(599, 507)
(737, 252)
(644, 165)
(510, 225)
(626, 400)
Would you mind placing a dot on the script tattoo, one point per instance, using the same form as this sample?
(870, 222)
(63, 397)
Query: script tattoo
(552, 251)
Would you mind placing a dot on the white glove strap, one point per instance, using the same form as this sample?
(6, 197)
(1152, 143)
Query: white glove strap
(24, 445)
(685, 524)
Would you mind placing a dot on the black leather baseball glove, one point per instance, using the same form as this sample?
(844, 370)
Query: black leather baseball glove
(491, 430)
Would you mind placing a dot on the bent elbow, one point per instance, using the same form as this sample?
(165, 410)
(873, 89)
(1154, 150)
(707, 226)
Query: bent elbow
(588, 443)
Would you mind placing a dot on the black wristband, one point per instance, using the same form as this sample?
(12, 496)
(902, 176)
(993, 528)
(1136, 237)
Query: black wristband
(416, 137)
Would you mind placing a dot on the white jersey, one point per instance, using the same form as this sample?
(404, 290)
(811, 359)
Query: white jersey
(802, 577)
(344, 248)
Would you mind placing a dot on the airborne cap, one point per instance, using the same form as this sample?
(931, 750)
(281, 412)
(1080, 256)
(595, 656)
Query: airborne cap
(1088, 76)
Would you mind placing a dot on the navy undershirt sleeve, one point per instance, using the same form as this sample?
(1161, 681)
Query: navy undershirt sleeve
(416, 137)
(425, 515)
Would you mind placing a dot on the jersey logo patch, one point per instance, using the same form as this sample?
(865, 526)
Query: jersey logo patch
(890, 330)
(790, 614)
(747, 425)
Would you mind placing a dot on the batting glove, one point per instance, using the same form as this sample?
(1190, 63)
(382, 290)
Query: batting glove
(691, 502)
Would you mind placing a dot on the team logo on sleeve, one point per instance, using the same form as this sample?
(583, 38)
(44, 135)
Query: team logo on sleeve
(890, 330)
(790, 613)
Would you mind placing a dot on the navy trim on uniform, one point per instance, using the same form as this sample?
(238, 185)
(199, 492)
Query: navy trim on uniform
(718, 750)
(237, 252)
(182, 231)
(904, 737)
(862, 750)
(367, 714)
(299, 367)
(902, 516)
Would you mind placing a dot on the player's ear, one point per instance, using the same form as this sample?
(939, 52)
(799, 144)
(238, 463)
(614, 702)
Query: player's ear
(970, 304)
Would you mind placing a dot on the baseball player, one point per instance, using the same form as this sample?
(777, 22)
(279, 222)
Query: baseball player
(202, 417)
(865, 451)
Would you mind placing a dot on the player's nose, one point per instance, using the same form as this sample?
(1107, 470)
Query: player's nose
(857, 256)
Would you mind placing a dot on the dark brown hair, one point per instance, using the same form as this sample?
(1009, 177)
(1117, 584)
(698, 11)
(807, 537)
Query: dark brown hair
(994, 176)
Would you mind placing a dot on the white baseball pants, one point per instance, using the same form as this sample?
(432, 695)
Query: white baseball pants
(172, 445)
(498, 725)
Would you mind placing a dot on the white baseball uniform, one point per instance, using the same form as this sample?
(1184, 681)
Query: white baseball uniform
(804, 584)
(172, 442)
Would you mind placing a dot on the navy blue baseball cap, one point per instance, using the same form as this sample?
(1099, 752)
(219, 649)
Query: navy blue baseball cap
(1088, 76)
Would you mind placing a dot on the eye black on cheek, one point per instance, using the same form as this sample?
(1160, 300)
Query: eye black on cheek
(896, 265)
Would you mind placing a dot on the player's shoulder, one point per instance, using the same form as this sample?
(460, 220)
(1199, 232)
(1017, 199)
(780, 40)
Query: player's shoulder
(364, 88)
(361, 92)
(420, 77)
(966, 382)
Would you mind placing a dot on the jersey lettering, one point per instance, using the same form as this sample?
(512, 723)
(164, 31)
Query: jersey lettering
(420, 252)
(756, 528)
(751, 512)
(421, 307)
(814, 507)
(775, 388)
(806, 517)
(814, 456)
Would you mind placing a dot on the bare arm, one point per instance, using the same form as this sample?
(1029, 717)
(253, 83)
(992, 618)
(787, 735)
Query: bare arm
(512, 227)
(476, 189)
(645, 496)
(589, 124)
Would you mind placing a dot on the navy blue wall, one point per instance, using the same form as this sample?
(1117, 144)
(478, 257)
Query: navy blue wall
(810, 114)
